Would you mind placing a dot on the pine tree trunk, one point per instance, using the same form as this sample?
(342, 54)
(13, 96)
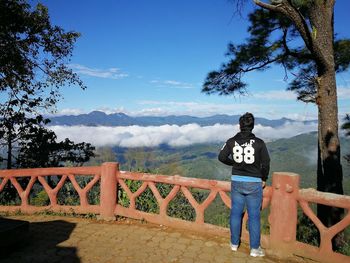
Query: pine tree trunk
(329, 170)
(329, 167)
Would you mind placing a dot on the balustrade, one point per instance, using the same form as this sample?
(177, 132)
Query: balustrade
(283, 199)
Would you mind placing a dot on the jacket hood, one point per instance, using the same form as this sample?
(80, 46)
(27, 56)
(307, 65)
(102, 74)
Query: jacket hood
(245, 135)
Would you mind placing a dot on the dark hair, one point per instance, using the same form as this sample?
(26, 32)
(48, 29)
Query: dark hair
(246, 122)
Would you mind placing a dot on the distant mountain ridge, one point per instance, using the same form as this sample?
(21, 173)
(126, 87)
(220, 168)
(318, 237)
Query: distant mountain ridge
(98, 118)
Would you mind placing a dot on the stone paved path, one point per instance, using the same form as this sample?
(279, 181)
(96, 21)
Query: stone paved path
(68, 239)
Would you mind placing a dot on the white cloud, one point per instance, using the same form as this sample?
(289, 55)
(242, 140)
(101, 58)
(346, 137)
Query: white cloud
(343, 93)
(172, 84)
(310, 156)
(174, 135)
(285, 131)
(200, 109)
(152, 112)
(275, 95)
(110, 73)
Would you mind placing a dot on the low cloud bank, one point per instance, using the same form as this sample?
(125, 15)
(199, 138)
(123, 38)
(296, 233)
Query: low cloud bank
(173, 135)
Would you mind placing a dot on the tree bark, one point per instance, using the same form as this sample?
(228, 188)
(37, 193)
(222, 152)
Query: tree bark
(329, 172)
(329, 169)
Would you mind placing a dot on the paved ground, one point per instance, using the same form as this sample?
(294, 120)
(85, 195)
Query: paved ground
(68, 239)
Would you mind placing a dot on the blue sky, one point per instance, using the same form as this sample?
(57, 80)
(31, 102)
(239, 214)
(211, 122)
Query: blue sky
(151, 58)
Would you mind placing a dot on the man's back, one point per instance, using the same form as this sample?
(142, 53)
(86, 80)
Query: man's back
(247, 154)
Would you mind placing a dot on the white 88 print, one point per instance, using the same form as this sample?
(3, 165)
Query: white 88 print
(244, 153)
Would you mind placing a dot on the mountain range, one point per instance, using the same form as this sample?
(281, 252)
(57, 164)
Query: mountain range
(98, 118)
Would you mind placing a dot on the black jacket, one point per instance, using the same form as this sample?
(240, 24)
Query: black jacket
(247, 155)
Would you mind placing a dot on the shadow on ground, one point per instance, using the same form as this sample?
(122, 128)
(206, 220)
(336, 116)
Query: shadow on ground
(41, 244)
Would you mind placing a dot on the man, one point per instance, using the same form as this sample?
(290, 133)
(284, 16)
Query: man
(250, 163)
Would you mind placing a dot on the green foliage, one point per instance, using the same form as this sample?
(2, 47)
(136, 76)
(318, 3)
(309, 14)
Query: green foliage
(305, 82)
(276, 38)
(342, 54)
(180, 207)
(145, 202)
(68, 195)
(123, 198)
(217, 213)
(264, 221)
(41, 199)
(94, 194)
(307, 232)
(33, 66)
(9, 195)
(39, 148)
(345, 248)
(34, 52)
(101, 155)
(261, 50)
(90, 216)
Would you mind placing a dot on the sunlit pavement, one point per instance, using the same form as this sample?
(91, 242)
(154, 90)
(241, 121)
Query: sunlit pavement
(70, 239)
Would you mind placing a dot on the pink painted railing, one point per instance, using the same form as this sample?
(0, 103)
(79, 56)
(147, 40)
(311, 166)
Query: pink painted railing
(181, 184)
(307, 196)
(39, 175)
(283, 199)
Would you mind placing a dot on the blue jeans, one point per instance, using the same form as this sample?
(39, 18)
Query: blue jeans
(246, 194)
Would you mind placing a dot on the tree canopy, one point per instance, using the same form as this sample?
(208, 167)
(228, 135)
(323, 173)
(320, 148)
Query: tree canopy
(33, 54)
(274, 40)
(34, 61)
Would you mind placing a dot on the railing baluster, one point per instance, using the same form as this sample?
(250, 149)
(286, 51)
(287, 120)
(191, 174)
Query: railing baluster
(108, 191)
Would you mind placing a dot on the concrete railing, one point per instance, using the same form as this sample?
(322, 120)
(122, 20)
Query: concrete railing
(283, 199)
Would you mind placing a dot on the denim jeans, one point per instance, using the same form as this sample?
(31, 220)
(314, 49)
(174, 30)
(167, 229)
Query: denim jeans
(246, 194)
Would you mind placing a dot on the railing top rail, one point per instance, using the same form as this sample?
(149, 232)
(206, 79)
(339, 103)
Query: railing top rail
(50, 171)
(312, 195)
(177, 180)
(287, 174)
